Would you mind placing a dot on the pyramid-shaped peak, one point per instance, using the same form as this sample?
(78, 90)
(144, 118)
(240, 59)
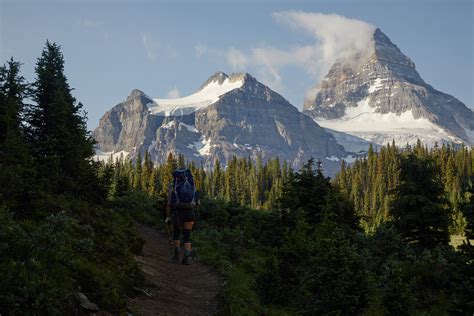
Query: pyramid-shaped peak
(241, 76)
(393, 59)
(388, 51)
(218, 77)
(380, 37)
(136, 93)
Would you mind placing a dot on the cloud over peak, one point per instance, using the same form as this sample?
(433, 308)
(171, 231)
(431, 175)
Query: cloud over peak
(335, 37)
(150, 47)
(173, 93)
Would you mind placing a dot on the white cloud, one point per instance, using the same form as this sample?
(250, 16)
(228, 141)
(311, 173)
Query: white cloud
(236, 58)
(335, 37)
(173, 93)
(94, 26)
(150, 47)
(200, 50)
(89, 23)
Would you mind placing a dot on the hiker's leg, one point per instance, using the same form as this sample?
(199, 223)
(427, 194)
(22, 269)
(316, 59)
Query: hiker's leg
(176, 243)
(187, 221)
(176, 232)
(187, 227)
(175, 220)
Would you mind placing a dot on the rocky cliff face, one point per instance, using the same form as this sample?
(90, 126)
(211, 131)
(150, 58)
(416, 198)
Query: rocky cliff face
(126, 125)
(382, 97)
(227, 116)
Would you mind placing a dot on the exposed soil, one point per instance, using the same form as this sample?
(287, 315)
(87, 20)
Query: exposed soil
(171, 288)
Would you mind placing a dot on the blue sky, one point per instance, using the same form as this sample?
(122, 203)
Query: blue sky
(171, 47)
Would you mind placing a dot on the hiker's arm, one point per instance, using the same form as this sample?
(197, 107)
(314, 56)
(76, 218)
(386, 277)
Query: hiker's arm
(168, 205)
(196, 197)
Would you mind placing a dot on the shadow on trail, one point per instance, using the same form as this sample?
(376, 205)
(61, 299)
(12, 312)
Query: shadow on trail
(171, 288)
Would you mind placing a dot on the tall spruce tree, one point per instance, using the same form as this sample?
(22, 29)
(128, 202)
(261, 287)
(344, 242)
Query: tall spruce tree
(419, 208)
(16, 167)
(13, 90)
(308, 190)
(60, 140)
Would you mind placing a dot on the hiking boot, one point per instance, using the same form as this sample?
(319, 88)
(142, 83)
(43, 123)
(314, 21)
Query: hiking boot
(185, 260)
(193, 255)
(175, 257)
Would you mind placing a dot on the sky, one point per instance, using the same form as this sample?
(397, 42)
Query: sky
(169, 48)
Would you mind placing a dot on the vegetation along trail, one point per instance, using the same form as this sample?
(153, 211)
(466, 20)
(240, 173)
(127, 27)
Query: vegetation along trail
(171, 288)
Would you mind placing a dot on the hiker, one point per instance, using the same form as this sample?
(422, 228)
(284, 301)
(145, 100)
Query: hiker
(182, 198)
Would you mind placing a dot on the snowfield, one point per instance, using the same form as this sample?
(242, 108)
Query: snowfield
(191, 103)
(190, 128)
(470, 135)
(363, 121)
(377, 85)
(348, 159)
(105, 156)
(203, 146)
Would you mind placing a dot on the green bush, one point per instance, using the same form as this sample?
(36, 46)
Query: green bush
(140, 206)
(409, 282)
(34, 268)
(43, 263)
(318, 270)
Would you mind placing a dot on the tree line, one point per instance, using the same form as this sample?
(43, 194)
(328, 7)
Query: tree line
(242, 181)
(370, 181)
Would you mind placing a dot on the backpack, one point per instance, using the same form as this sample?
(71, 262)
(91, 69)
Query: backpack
(184, 190)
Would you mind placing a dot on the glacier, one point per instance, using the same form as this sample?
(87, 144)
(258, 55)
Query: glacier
(191, 103)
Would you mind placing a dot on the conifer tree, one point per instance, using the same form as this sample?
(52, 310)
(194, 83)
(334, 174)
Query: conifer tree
(308, 191)
(419, 209)
(154, 182)
(181, 161)
(167, 174)
(13, 90)
(61, 143)
(147, 169)
(216, 182)
(137, 174)
(17, 174)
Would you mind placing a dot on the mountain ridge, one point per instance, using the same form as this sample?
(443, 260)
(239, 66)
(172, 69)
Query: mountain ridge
(247, 120)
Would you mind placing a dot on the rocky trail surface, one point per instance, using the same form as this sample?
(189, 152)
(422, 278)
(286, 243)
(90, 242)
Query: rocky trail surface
(171, 288)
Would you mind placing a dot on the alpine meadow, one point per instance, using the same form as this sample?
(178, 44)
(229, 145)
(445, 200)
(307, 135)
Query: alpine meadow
(320, 174)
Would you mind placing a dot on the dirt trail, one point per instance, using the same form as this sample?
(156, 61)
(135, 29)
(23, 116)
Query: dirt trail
(175, 289)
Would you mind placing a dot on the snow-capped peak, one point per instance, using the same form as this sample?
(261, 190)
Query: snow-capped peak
(219, 77)
(216, 86)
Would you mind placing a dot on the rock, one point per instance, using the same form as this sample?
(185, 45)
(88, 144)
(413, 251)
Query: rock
(85, 303)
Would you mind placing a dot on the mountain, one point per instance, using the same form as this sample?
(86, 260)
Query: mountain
(227, 116)
(380, 97)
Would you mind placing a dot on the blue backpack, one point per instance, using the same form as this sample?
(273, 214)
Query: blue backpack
(184, 190)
